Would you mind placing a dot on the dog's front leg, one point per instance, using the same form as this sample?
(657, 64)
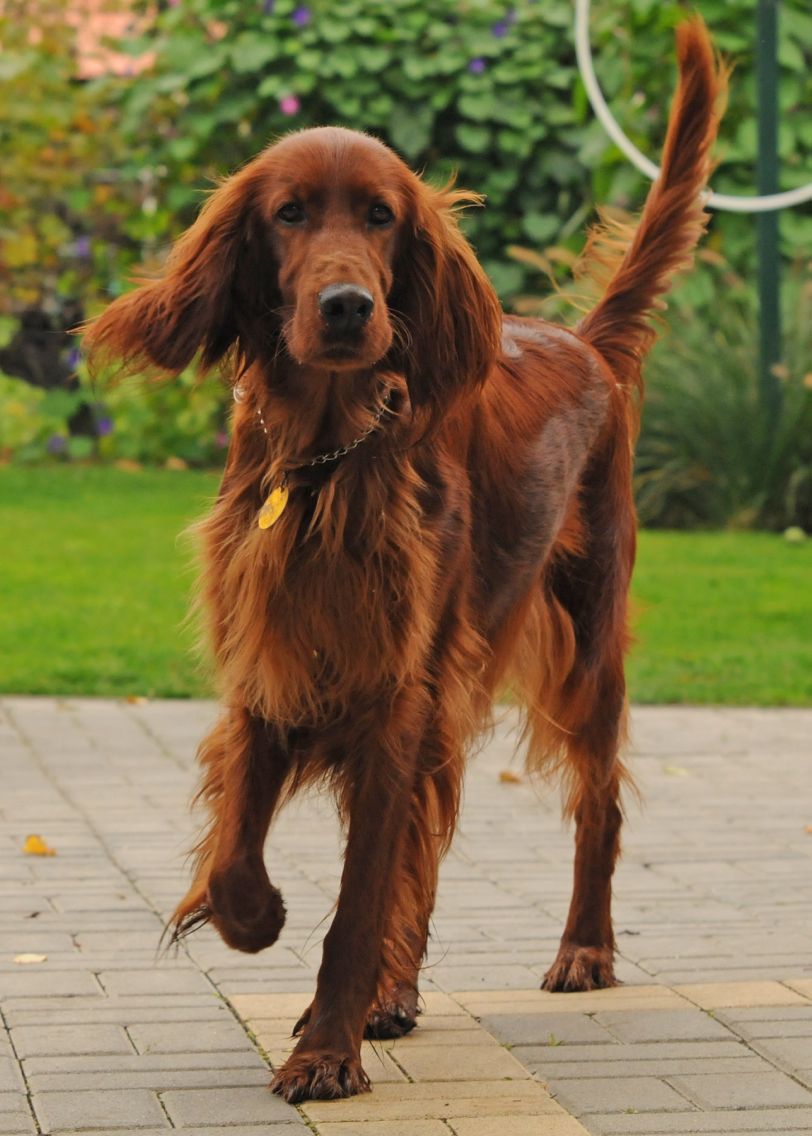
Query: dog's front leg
(326, 1062)
(247, 762)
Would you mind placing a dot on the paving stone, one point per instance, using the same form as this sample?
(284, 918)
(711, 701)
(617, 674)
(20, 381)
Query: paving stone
(616, 1094)
(517, 1126)
(791, 1053)
(24, 983)
(157, 1080)
(277, 1128)
(481, 1003)
(386, 1128)
(658, 1025)
(719, 995)
(110, 1012)
(546, 1029)
(460, 1063)
(177, 1037)
(708, 901)
(48, 1040)
(433, 1100)
(210, 1107)
(756, 1090)
(756, 1121)
(155, 981)
(15, 1116)
(11, 1080)
(123, 1109)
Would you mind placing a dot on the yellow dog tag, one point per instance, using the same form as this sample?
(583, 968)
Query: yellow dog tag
(274, 506)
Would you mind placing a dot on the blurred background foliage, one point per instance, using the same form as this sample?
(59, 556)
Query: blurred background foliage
(100, 174)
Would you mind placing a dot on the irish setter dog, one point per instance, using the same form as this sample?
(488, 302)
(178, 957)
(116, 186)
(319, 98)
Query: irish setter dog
(425, 501)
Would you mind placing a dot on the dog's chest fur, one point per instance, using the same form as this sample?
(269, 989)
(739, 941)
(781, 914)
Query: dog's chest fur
(350, 562)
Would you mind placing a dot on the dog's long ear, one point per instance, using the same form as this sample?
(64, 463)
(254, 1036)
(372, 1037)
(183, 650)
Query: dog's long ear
(164, 322)
(451, 312)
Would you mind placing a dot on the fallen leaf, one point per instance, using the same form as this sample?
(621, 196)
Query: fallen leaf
(509, 777)
(808, 829)
(26, 960)
(676, 771)
(36, 846)
(136, 699)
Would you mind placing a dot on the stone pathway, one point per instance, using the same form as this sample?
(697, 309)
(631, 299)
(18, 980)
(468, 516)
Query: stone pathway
(712, 1032)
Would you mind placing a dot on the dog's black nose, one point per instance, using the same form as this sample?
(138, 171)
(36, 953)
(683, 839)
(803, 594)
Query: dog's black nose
(345, 307)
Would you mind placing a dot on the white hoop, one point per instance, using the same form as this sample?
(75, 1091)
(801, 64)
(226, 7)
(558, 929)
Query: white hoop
(729, 202)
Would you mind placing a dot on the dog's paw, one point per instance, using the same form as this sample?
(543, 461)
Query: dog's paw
(581, 968)
(319, 1076)
(247, 918)
(393, 1015)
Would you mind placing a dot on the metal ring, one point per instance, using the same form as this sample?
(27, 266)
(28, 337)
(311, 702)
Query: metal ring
(733, 203)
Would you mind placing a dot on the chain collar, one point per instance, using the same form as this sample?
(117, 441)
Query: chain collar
(331, 455)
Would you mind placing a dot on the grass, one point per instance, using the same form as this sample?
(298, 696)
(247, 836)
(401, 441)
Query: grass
(95, 584)
(96, 580)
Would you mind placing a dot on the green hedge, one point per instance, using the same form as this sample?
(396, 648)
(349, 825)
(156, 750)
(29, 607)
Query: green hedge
(488, 89)
(101, 175)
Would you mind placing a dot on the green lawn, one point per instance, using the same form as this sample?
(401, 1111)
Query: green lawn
(94, 583)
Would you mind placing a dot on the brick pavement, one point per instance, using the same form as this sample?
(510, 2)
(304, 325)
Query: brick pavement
(712, 1032)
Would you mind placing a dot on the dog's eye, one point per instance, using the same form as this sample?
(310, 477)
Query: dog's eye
(291, 213)
(380, 214)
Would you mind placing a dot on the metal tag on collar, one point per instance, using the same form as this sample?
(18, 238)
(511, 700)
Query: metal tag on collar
(274, 505)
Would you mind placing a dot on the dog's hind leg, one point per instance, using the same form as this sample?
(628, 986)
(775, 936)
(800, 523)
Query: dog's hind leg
(587, 714)
(246, 763)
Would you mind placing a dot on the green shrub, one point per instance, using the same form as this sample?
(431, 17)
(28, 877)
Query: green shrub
(182, 420)
(711, 451)
(487, 88)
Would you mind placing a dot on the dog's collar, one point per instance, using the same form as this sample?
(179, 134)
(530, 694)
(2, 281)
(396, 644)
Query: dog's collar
(342, 451)
(277, 498)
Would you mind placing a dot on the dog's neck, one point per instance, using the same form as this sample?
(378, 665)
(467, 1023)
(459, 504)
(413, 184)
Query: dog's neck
(307, 411)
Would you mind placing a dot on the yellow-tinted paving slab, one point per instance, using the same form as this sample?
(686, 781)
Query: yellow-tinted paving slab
(449, 1068)
(724, 995)
(479, 1002)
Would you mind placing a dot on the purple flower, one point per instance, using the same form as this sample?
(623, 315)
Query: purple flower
(104, 425)
(477, 66)
(267, 7)
(221, 438)
(503, 26)
(289, 105)
(301, 16)
(82, 247)
(74, 358)
(56, 444)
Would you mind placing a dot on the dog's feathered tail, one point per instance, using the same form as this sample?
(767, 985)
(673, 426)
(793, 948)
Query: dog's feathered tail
(640, 263)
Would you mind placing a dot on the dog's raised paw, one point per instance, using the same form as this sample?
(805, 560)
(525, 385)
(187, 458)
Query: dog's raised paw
(393, 1016)
(247, 920)
(580, 968)
(319, 1076)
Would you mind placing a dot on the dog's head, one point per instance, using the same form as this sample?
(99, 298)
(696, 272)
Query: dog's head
(326, 246)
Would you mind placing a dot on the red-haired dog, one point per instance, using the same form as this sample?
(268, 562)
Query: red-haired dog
(424, 500)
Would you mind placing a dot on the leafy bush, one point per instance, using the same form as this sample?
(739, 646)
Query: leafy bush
(183, 418)
(712, 452)
(487, 88)
(182, 421)
(63, 204)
